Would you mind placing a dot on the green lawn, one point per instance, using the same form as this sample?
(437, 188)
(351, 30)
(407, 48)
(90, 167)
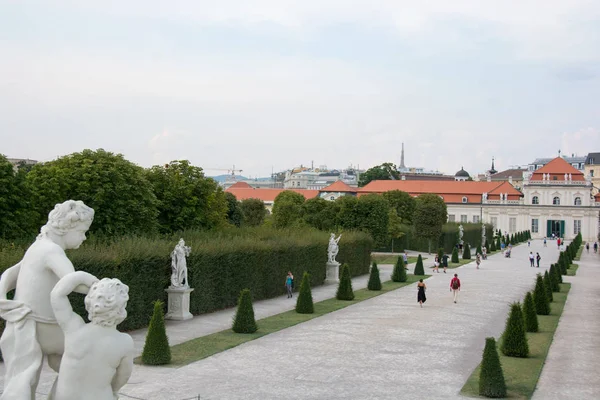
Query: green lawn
(206, 346)
(521, 374)
(573, 270)
(389, 259)
(452, 265)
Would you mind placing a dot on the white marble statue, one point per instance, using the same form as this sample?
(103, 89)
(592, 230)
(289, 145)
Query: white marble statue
(484, 196)
(570, 176)
(31, 330)
(483, 233)
(461, 232)
(98, 359)
(333, 248)
(179, 275)
(566, 177)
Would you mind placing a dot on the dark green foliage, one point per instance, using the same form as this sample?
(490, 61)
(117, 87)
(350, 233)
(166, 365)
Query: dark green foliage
(234, 214)
(399, 272)
(253, 211)
(319, 213)
(531, 321)
(562, 263)
(514, 339)
(430, 215)
(557, 278)
(402, 202)
(478, 251)
(540, 298)
(498, 243)
(440, 254)
(304, 304)
(466, 252)
(16, 218)
(454, 258)
(374, 280)
(487, 246)
(419, 269)
(287, 209)
(548, 287)
(383, 172)
(372, 216)
(345, 291)
(244, 321)
(493, 246)
(491, 377)
(156, 349)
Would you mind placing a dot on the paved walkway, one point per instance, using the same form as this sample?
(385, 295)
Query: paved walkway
(571, 369)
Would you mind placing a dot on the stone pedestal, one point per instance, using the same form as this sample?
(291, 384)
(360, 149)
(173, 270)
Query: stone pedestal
(179, 304)
(332, 273)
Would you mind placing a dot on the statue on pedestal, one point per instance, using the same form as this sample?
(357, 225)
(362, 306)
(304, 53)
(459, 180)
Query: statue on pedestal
(333, 248)
(179, 275)
(461, 232)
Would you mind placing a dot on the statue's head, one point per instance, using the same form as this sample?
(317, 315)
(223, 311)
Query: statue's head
(71, 218)
(181, 242)
(106, 302)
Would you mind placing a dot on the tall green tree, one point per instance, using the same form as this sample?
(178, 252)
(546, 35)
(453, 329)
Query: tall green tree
(372, 216)
(235, 216)
(403, 203)
(385, 171)
(430, 214)
(395, 227)
(16, 217)
(287, 209)
(115, 188)
(319, 213)
(254, 212)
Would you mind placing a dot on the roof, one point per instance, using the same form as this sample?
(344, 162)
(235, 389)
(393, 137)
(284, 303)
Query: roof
(592, 158)
(240, 185)
(509, 173)
(462, 173)
(557, 168)
(267, 194)
(574, 159)
(339, 186)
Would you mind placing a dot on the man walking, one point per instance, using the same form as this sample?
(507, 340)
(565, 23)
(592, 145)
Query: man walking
(455, 286)
(445, 261)
(405, 258)
(531, 259)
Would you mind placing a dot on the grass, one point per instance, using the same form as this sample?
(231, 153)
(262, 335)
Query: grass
(452, 265)
(522, 374)
(206, 346)
(389, 259)
(572, 270)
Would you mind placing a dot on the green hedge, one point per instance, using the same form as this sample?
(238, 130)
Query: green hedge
(220, 265)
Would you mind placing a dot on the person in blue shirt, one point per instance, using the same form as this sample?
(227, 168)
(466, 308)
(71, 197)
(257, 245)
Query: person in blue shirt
(289, 284)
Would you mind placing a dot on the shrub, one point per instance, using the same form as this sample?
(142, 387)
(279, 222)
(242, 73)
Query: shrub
(514, 339)
(498, 243)
(244, 321)
(493, 246)
(540, 298)
(399, 272)
(454, 258)
(156, 349)
(304, 304)
(419, 270)
(440, 254)
(563, 265)
(491, 377)
(374, 280)
(531, 321)
(557, 278)
(466, 252)
(548, 287)
(345, 291)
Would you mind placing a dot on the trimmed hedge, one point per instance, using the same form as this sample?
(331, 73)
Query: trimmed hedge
(344, 291)
(514, 339)
(531, 321)
(243, 321)
(374, 279)
(156, 348)
(304, 304)
(540, 297)
(491, 377)
(399, 272)
(548, 286)
(419, 270)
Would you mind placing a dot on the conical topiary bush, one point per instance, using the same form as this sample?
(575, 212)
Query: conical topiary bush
(498, 244)
(540, 298)
(244, 321)
(478, 251)
(374, 280)
(344, 291)
(419, 270)
(491, 377)
(548, 287)
(531, 321)
(466, 252)
(492, 246)
(514, 339)
(304, 304)
(156, 349)
(454, 258)
(399, 272)
(557, 276)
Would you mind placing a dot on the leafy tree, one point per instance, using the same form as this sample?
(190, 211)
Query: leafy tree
(345, 291)
(383, 172)
(491, 377)
(304, 304)
(287, 209)
(403, 203)
(454, 258)
(531, 321)
(189, 200)
(399, 272)
(244, 321)
(514, 339)
(540, 298)
(374, 280)
(319, 213)
(372, 216)
(419, 270)
(548, 286)
(466, 252)
(346, 217)
(115, 188)
(156, 349)
(430, 214)
(395, 228)
(16, 219)
(254, 211)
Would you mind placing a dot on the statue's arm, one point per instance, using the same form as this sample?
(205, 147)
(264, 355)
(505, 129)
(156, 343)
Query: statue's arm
(123, 372)
(8, 280)
(66, 318)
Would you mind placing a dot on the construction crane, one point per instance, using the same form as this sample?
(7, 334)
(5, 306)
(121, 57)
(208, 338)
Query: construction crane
(232, 171)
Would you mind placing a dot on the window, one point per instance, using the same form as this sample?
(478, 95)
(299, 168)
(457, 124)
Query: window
(534, 225)
(332, 198)
(512, 224)
(463, 218)
(475, 219)
(465, 200)
(556, 201)
(577, 201)
(451, 218)
(576, 226)
(494, 222)
(535, 200)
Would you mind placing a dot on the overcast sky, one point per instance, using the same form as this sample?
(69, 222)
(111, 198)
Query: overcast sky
(276, 83)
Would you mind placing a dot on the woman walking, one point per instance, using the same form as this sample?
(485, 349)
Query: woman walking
(538, 258)
(289, 281)
(421, 292)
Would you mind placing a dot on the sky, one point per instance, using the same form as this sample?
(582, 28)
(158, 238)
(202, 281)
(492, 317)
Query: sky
(267, 85)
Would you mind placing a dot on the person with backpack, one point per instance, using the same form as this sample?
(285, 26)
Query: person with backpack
(455, 286)
(289, 284)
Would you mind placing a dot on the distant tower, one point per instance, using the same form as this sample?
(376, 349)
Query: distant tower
(492, 171)
(402, 158)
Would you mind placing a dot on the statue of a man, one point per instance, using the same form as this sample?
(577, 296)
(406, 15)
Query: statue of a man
(333, 248)
(179, 275)
(32, 331)
(460, 233)
(98, 359)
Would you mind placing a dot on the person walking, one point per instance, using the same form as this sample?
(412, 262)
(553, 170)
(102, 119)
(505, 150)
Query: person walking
(445, 261)
(595, 247)
(538, 258)
(531, 259)
(455, 286)
(477, 260)
(436, 264)
(421, 292)
(587, 247)
(289, 284)
(545, 242)
(405, 258)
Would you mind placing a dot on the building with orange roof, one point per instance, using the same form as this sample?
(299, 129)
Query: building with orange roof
(267, 195)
